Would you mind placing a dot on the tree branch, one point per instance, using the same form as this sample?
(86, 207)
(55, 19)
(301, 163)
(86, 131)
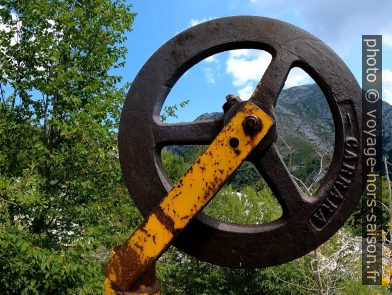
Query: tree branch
(292, 284)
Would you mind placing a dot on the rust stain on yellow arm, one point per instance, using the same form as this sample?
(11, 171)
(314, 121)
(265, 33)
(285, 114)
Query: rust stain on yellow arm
(191, 194)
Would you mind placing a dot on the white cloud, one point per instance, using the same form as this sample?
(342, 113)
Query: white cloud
(195, 21)
(209, 75)
(211, 59)
(297, 77)
(246, 65)
(387, 85)
(245, 53)
(16, 24)
(247, 91)
(339, 23)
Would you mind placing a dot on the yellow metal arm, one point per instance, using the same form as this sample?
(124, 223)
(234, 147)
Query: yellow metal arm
(191, 194)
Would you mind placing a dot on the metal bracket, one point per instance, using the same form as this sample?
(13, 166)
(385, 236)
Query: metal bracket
(192, 193)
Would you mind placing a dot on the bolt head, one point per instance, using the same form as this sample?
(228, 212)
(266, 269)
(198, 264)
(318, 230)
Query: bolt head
(251, 125)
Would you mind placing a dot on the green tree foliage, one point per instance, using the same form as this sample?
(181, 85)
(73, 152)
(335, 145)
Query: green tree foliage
(175, 166)
(61, 194)
(182, 274)
(171, 110)
(335, 266)
(354, 223)
(246, 206)
(63, 204)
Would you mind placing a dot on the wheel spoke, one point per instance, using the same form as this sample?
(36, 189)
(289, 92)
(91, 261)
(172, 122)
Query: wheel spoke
(199, 132)
(272, 82)
(273, 169)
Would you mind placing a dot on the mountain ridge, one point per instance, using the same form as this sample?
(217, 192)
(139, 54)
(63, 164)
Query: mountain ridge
(303, 111)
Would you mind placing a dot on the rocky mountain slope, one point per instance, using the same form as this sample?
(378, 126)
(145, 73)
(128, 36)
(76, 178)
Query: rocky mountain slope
(302, 114)
(303, 110)
(306, 130)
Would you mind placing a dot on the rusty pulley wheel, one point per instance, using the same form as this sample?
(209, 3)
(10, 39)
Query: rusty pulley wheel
(307, 222)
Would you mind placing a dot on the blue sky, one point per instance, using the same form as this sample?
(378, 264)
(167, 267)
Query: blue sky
(340, 24)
